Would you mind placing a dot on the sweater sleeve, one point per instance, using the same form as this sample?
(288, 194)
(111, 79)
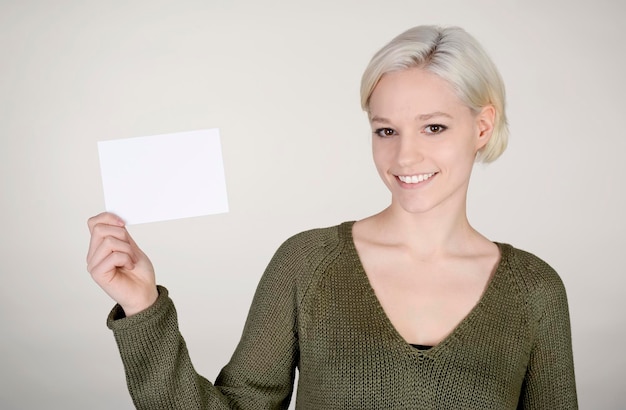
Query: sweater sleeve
(549, 382)
(260, 374)
(159, 373)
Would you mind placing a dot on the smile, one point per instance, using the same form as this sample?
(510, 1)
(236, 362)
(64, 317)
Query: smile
(415, 179)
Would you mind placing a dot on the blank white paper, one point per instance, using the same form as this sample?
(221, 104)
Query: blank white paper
(164, 177)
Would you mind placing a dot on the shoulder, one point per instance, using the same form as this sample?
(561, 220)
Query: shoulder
(532, 271)
(314, 245)
(534, 278)
(304, 257)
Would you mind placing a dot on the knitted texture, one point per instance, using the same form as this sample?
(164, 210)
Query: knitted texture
(314, 309)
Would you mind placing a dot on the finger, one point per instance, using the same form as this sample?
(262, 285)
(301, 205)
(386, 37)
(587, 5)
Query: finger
(136, 249)
(105, 270)
(100, 232)
(106, 218)
(108, 246)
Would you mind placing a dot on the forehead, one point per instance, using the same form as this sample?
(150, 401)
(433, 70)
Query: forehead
(413, 91)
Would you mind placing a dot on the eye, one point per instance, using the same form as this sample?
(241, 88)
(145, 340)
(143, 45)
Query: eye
(434, 129)
(385, 132)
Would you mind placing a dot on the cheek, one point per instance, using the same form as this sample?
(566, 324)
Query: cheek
(381, 157)
(463, 147)
(380, 153)
(457, 158)
(375, 149)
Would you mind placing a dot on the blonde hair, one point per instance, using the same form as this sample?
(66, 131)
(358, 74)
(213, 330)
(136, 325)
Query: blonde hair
(454, 55)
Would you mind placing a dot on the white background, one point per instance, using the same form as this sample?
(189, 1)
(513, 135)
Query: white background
(281, 81)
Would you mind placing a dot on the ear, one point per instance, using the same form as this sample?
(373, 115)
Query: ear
(485, 121)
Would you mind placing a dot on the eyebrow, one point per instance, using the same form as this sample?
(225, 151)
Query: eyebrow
(421, 117)
(425, 117)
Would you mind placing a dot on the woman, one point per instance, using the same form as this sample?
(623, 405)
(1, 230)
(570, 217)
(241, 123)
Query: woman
(409, 308)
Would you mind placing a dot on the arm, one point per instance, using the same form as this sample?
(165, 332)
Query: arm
(549, 382)
(260, 374)
(159, 372)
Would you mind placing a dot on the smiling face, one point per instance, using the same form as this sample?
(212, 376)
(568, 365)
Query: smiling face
(425, 140)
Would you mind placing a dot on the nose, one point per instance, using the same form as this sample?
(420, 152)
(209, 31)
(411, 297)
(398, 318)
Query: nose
(409, 150)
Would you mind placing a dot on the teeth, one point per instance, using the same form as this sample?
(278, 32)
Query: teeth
(414, 179)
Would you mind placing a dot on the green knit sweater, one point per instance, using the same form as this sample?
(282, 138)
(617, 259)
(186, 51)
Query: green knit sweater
(315, 310)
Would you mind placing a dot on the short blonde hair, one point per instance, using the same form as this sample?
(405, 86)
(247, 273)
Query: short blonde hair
(454, 55)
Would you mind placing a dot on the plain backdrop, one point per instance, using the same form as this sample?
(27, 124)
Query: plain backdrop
(281, 81)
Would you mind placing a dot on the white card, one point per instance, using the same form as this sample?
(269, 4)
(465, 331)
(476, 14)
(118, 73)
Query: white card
(163, 177)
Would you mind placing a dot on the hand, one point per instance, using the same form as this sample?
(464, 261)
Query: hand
(118, 266)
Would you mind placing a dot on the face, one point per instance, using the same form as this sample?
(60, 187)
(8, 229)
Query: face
(425, 140)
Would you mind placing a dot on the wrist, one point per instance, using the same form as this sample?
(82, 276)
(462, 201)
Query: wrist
(141, 305)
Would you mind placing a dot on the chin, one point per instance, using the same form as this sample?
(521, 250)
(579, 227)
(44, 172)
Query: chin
(412, 207)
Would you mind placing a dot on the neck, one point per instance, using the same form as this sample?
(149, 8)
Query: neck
(438, 232)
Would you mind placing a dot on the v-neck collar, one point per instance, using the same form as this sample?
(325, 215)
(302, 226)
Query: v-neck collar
(464, 326)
